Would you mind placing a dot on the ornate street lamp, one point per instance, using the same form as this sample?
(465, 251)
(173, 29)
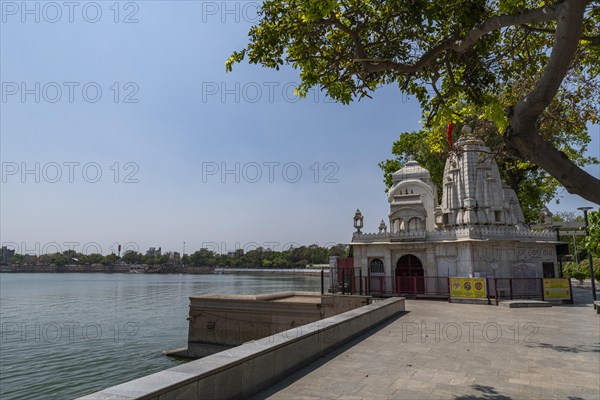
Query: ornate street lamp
(585, 215)
(358, 221)
(382, 227)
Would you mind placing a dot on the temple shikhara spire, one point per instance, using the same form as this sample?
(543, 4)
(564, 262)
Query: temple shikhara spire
(473, 192)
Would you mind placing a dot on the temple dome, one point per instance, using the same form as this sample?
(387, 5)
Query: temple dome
(412, 198)
(412, 170)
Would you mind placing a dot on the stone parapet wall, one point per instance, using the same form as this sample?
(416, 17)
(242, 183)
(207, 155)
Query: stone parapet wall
(245, 370)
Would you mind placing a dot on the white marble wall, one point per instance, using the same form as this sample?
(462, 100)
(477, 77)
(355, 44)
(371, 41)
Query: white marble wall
(461, 259)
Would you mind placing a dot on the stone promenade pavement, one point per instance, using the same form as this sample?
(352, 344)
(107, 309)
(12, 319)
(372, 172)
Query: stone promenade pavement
(439, 350)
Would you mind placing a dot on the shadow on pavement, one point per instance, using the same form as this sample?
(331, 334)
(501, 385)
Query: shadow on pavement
(568, 349)
(487, 393)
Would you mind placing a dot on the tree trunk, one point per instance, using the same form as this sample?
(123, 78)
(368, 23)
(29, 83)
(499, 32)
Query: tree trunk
(533, 147)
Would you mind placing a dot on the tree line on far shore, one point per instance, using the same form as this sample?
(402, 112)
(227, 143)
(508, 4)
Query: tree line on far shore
(300, 257)
(295, 257)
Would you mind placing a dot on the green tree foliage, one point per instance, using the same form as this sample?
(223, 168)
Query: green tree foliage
(592, 241)
(185, 259)
(151, 259)
(132, 257)
(340, 250)
(163, 259)
(93, 258)
(59, 260)
(18, 259)
(581, 271)
(529, 67)
(428, 150)
(576, 243)
(70, 254)
(260, 257)
(297, 257)
(110, 259)
(203, 258)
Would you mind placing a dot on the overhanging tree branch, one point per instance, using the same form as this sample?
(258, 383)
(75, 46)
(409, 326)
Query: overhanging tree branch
(523, 134)
(357, 46)
(461, 45)
(591, 39)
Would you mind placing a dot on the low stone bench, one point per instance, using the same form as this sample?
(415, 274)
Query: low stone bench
(597, 306)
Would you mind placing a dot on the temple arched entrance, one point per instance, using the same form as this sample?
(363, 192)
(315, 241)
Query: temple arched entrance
(410, 275)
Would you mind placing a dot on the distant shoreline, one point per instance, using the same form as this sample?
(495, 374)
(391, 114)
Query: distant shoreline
(98, 268)
(274, 271)
(133, 270)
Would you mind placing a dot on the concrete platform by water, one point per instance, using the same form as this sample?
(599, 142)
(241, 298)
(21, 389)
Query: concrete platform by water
(459, 351)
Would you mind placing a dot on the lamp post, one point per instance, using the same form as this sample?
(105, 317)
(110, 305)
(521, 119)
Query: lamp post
(585, 216)
(575, 250)
(558, 256)
(358, 221)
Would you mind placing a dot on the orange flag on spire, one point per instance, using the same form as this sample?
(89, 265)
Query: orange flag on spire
(450, 128)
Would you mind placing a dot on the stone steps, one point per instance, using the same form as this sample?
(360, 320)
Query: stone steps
(524, 303)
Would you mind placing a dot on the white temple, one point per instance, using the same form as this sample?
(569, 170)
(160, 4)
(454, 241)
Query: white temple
(478, 230)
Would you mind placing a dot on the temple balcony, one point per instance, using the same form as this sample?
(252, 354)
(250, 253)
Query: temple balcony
(389, 237)
(459, 233)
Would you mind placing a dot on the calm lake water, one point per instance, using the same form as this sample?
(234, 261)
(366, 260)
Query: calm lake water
(67, 335)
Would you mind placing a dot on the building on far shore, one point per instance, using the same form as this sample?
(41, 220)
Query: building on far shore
(153, 251)
(6, 255)
(236, 253)
(478, 229)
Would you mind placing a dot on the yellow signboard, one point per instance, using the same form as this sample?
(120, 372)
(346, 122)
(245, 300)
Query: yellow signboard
(557, 289)
(473, 288)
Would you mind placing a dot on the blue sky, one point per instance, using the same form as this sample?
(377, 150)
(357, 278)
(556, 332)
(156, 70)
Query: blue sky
(131, 125)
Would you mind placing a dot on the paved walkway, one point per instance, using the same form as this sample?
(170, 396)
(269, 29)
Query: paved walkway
(457, 351)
